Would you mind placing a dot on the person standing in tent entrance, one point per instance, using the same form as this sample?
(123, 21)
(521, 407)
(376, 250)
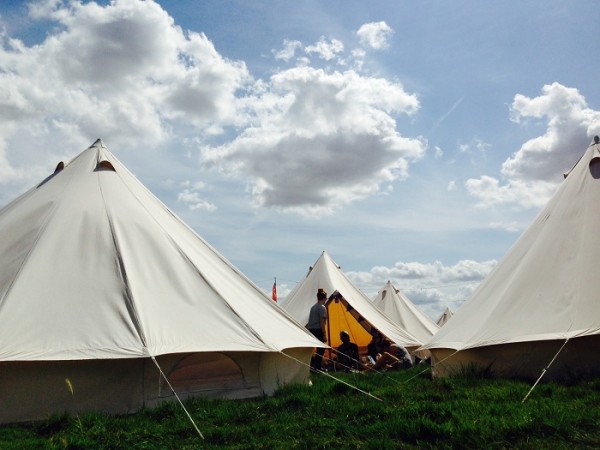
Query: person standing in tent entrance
(317, 321)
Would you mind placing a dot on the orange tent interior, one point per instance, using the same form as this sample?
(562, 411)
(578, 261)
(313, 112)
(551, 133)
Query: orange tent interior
(341, 316)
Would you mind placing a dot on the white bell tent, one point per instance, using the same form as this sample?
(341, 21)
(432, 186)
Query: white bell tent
(538, 311)
(444, 317)
(404, 312)
(101, 285)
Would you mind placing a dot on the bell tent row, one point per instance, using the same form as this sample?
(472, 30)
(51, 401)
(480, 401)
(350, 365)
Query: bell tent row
(348, 309)
(535, 314)
(108, 300)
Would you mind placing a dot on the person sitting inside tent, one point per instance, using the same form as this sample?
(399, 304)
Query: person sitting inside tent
(375, 347)
(394, 356)
(347, 357)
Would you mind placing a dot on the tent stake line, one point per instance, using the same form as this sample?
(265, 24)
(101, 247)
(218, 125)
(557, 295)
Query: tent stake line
(177, 397)
(336, 379)
(544, 371)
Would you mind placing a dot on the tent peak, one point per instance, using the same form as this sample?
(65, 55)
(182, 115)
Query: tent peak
(98, 143)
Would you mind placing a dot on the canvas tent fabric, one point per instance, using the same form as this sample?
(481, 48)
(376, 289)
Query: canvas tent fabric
(542, 293)
(404, 312)
(444, 317)
(97, 277)
(351, 310)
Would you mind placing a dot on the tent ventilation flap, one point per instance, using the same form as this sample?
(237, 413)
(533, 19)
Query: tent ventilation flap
(104, 165)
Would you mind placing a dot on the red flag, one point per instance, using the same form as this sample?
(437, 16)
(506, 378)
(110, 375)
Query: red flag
(274, 291)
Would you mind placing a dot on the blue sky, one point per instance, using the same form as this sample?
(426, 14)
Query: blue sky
(412, 141)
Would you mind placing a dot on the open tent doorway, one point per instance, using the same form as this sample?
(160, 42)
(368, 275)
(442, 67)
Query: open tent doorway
(342, 316)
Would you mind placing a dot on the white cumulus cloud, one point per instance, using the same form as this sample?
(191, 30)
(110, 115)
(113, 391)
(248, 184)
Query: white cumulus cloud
(288, 51)
(375, 35)
(123, 72)
(191, 196)
(430, 286)
(531, 175)
(306, 139)
(324, 49)
(321, 140)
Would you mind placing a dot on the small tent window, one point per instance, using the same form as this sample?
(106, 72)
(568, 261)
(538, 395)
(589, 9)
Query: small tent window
(206, 372)
(595, 167)
(105, 165)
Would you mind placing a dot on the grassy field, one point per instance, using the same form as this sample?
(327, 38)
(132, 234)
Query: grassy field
(410, 411)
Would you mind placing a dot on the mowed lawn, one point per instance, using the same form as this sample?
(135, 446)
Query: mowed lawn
(391, 410)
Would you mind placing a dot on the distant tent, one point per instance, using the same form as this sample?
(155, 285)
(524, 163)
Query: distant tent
(542, 295)
(348, 308)
(404, 313)
(444, 317)
(100, 283)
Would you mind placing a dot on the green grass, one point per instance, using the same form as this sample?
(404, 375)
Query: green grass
(415, 412)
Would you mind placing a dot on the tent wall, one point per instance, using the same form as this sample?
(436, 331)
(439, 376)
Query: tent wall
(232, 375)
(579, 358)
(277, 370)
(34, 390)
